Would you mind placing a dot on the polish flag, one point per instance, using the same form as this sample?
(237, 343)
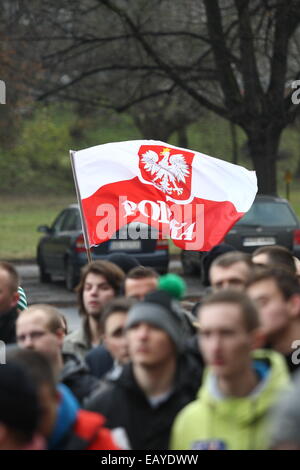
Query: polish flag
(184, 195)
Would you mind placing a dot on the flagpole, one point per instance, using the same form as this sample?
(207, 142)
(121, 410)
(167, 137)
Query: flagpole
(85, 235)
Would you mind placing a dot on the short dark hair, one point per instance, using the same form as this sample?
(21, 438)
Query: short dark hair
(247, 307)
(19, 405)
(232, 257)
(13, 275)
(36, 364)
(110, 271)
(278, 255)
(122, 304)
(141, 272)
(286, 281)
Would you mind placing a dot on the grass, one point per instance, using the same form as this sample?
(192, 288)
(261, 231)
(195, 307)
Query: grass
(20, 218)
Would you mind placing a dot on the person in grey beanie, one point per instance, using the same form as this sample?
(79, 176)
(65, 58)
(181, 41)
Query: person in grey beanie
(159, 309)
(160, 380)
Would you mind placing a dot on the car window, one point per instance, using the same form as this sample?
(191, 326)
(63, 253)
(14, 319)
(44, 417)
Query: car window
(70, 221)
(269, 214)
(56, 227)
(78, 221)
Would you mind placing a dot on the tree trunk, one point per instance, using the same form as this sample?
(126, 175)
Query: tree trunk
(153, 128)
(182, 137)
(234, 143)
(263, 146)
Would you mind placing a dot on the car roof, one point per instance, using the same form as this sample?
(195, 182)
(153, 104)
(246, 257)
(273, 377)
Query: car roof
(269, 198)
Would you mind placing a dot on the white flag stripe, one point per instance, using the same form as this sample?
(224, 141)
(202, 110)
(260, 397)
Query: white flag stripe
(105, 164)
(212, 179)
(218, 180)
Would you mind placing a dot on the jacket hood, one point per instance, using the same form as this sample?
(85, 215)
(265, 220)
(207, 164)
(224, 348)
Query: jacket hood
(66, 416)
(246, 410)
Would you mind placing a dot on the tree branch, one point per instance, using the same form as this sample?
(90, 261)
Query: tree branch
(156, 58)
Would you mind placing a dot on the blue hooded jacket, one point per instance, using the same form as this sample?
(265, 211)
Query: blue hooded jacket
(66, 417)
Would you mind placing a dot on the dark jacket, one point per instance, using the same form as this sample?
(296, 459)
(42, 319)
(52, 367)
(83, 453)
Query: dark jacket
(293, 366)
(125, 405)
(291, 359)
(8, 326)
(77, 377)
(99, 361)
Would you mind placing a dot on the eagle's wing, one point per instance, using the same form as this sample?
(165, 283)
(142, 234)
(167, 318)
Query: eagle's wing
(150, 159)
(179, 167)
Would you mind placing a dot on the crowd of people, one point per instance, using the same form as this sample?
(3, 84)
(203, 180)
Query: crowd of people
(145, 370)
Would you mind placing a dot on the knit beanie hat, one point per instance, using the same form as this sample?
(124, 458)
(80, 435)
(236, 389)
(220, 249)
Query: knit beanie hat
(159, 309)
(209, 258)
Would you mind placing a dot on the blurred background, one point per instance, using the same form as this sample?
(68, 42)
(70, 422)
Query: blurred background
(204, 75)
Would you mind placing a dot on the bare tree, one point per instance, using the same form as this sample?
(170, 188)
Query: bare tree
(249, 43)
(233, 57)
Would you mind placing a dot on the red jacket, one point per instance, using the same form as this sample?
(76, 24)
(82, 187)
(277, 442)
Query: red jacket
(88, 433)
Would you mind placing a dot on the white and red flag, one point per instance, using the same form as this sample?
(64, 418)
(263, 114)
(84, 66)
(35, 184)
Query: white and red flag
(185, 195)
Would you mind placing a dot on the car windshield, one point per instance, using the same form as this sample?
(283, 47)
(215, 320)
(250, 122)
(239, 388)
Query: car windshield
(269, 214)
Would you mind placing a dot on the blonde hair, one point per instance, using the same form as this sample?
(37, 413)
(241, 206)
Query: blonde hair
(53, 316)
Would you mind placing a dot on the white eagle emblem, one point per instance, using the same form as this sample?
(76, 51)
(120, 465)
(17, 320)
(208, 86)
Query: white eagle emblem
(169, 170)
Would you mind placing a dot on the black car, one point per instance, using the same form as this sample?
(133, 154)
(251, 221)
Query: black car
(61, 252)
(270, 221)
